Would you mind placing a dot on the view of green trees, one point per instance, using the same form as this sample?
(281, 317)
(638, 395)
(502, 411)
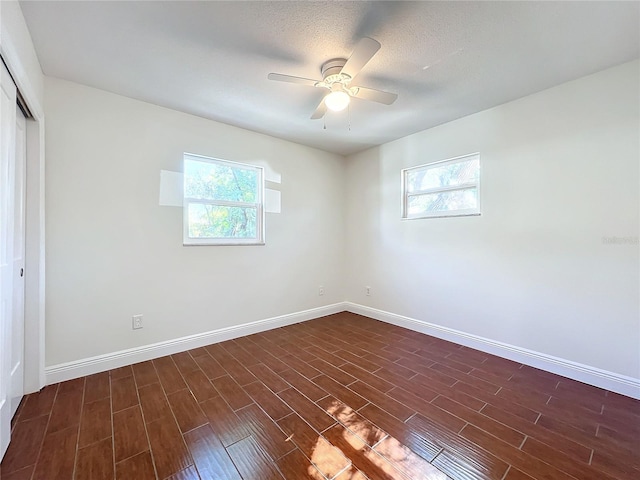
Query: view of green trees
(226, 197)
(444, 201)
(446, 175)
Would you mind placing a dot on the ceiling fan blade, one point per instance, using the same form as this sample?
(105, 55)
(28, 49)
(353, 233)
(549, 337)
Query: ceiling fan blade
(320, 111)
(288, 78)
(364, 51)
(379, 96)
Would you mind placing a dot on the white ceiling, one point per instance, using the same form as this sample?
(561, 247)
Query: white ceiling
(444, 59)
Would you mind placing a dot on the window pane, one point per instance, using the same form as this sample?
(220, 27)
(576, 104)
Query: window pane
(214, 181)
(447, 175)
(215, 221)
(443, 201)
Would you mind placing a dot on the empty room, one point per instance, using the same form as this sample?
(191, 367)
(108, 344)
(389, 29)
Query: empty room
(331, 240)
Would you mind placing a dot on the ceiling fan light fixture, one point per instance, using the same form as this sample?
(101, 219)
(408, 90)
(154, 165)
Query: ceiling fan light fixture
(337, 101)
(337, 74)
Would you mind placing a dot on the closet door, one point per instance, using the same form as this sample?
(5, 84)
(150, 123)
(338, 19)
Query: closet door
(7, 200)
(16, 367)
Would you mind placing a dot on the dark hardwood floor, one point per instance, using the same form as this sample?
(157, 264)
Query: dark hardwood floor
(341, 397)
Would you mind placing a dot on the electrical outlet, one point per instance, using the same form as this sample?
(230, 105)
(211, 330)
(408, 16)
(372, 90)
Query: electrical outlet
(136, 322)
(367, 290)
(321, 290)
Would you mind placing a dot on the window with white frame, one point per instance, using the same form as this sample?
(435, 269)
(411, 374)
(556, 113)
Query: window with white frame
(447, 188)
(223, 202)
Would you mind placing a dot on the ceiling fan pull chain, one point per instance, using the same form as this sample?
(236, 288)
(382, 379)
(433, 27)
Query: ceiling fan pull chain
(349, 116)
(324, 122)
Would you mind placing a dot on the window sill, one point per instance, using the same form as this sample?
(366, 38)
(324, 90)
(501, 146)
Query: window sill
(443, 216)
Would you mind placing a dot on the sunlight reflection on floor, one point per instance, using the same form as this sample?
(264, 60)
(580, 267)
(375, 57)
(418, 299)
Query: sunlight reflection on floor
(327, 458)
(360, 435)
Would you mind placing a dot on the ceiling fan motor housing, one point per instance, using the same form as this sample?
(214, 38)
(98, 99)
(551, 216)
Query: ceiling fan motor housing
(334, 80)
(331, 71)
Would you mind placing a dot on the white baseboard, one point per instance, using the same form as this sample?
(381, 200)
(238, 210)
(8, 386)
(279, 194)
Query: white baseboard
(101, 363)
(584, 373)
(628, 386)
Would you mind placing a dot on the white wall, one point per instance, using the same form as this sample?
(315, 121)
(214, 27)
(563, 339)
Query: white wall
(14, 36)
(559, 173)
(113, 252)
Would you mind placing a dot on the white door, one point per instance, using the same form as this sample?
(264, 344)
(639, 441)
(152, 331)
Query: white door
(17, 306)
(7, 155)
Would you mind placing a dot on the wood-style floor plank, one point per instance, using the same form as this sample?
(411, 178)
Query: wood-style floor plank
(25, 444)
(270, 378)
(252, 461)
(224, 421)
(22, 474)
(459, 457)
(170, 376)
(95, 423)
(129, 433)
(234, 395)
(561, 443)
(309, 411)
(265, 432)
(186, 410)
(57, 457)
(139, 467)
(425, 447)
(96, 387)
(352, 421)
(95, 461)
(210, 457)
(200, 385)
(145, 374)
(340, 392)
(209, 366)
(40, 404)
(382, 400)
(328, 459)
(123, 393)
(296, 465)
(303, 385)
(185, 363)
(267, 400)
(511, 455)
(154, 402)
(406, 461)
(189, 473)
(362, 456)
(340, 397)
(170, 453)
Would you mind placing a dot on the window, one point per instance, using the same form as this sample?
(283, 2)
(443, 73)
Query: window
(447, 188)
(223, 202)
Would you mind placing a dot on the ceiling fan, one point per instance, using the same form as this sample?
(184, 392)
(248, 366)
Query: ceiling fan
(337, 74)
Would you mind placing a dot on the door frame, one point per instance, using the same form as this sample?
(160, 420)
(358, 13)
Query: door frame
(34, 304)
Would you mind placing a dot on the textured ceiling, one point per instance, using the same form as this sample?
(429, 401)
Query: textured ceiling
(445, 60)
